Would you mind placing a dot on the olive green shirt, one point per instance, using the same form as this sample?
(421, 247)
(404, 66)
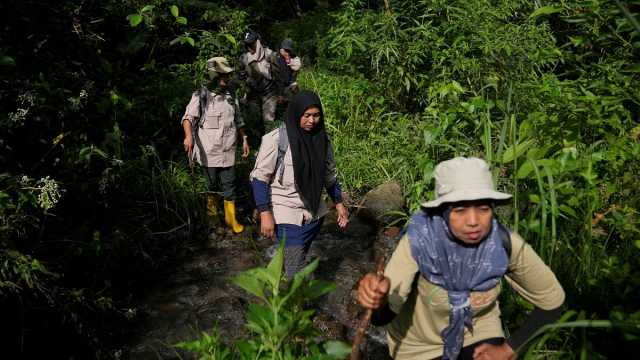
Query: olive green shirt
(423, 308)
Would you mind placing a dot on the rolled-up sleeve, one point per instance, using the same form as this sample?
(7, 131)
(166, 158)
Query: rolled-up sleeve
(532, 278)
(192, 111)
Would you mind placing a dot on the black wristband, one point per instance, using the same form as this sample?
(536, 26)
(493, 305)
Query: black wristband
(537, 319)
(382, 315)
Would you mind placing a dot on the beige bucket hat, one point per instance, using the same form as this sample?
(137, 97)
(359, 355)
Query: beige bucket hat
(463, 179)
(218, 65)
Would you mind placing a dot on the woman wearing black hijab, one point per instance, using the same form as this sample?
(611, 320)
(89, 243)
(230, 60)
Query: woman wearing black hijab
(294, 164)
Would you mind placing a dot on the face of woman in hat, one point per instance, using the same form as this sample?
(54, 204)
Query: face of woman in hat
(223, 79)
(310, 118)
(470, 221)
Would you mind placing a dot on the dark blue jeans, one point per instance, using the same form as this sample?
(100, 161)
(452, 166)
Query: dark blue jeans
(227, 180)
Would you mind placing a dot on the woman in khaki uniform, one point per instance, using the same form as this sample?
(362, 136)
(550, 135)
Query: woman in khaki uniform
(440, 291)
(294, 164)
(211, 121)
(257, 67)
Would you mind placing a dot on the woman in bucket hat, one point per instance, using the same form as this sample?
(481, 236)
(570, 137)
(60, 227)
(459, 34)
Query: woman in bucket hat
(210, 122)
(439, 292)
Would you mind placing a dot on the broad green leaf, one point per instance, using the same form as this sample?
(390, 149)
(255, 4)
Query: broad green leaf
(7, 61)
(134, 19)
(299, 277)
(525, 169)
(637, 243)
(230, 39)
(511, 153)
(181, 20)
(190, 40)
(256, 328)
(274, 269)
(337, 349)
(545, 10)
(247, 348)
(534, 198)
(250, 283)
(174, 11)
(147, 8)
(567, 210)
(538, 152)
(260, 315)
(318, 288)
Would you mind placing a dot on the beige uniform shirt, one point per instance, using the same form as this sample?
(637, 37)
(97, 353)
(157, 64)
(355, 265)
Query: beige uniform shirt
(287, 206)
(215, 142)
(258, 68)
(423, 309)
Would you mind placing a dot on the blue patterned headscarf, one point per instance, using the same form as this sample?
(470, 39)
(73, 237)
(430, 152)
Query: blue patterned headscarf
(459, 269)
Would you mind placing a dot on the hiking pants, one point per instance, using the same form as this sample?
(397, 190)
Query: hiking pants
(298, 240)
(227, 179)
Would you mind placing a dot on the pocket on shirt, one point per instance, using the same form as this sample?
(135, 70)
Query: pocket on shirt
(229, 138)
(212, 120)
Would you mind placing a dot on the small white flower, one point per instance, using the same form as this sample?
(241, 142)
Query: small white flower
(50, 193)
(19, 116)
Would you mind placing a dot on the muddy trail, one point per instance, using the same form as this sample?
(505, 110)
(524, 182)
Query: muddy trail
(197, 294)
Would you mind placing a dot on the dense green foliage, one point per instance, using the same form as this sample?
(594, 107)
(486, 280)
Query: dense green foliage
(548, 95)
(95, 195)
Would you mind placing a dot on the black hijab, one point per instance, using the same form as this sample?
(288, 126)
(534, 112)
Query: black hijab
(308, 149)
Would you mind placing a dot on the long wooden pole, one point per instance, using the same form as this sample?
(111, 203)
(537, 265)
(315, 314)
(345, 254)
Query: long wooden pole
(364, 321)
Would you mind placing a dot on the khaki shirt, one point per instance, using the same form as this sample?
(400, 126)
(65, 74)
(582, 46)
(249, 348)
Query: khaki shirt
(423, 309)
(215, 142)
(260, 76)
(287, 206)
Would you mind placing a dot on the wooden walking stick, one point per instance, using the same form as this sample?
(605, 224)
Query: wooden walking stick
(364, 321)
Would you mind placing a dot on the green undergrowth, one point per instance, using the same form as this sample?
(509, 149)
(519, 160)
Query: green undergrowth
(280, 323)
(518, 85)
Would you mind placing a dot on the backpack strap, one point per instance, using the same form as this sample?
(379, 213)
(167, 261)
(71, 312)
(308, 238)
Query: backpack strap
(203, 95)
(505, 235)
(283, 144)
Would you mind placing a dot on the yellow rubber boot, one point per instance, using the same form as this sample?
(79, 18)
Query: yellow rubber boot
(230, 217)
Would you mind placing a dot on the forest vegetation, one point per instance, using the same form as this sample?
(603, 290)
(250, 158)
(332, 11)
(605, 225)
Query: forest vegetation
(96, 194)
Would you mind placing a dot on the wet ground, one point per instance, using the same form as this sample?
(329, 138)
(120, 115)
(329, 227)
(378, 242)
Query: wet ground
(197, 294)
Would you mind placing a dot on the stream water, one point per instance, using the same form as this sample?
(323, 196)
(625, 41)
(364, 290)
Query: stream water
(197, 294)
